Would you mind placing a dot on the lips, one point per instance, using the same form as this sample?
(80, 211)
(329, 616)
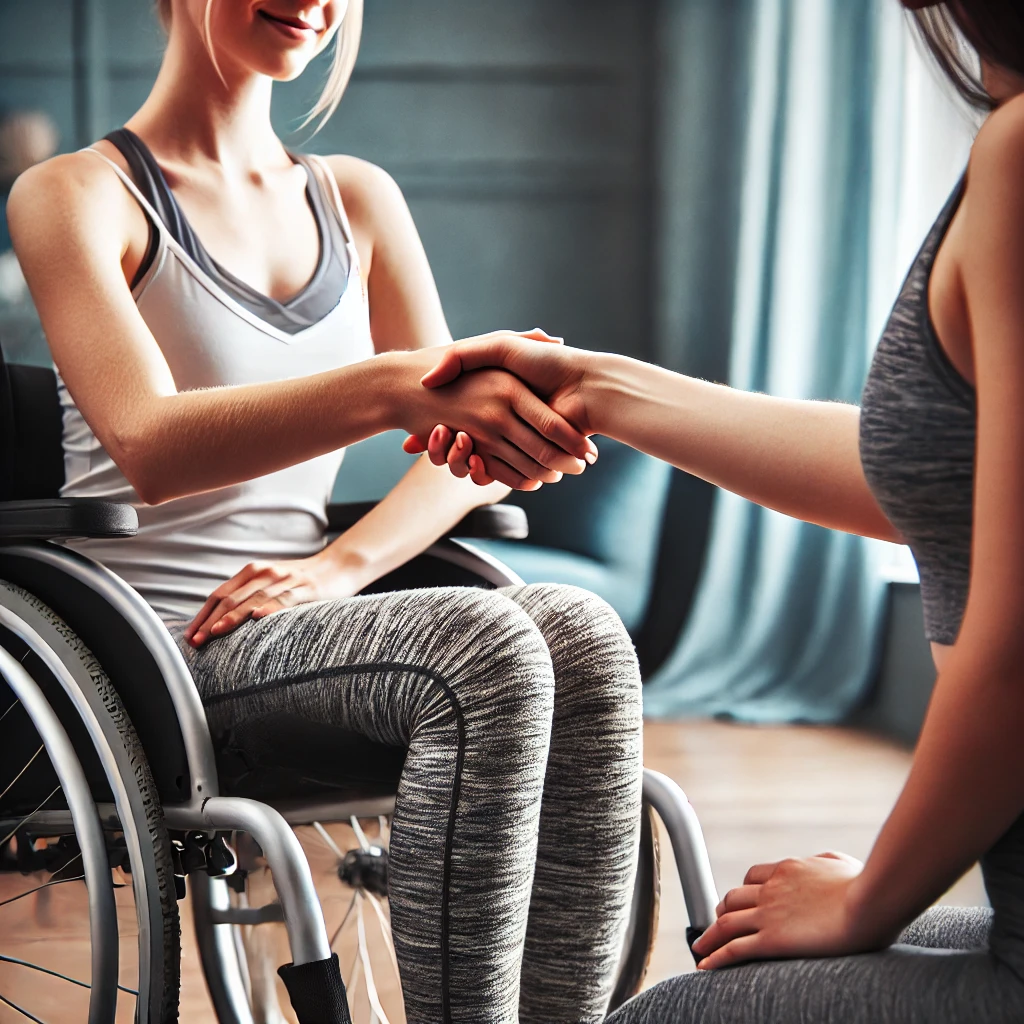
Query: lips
(290, 21)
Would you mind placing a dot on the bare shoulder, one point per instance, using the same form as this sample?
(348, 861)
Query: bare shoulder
(65, 197)
(371, 196)
(996, 169)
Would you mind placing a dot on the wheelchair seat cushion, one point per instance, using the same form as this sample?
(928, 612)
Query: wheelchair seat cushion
(285, 756)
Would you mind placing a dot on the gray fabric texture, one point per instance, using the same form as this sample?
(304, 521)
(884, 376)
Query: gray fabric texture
(941, 972)
(513, 848)
(917, 434)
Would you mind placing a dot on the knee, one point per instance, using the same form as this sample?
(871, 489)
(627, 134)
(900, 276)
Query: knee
(585, 637)
(493, 658)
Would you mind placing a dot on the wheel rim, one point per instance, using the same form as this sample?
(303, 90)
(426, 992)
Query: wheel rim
(91, 859)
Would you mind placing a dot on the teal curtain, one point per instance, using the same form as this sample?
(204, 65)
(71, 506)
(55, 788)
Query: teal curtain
(785, 621)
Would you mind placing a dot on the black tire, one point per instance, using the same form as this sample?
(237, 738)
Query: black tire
(151, 865)
(643, 920)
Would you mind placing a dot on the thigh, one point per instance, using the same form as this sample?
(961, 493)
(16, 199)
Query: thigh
(900, 985)
(309, 687)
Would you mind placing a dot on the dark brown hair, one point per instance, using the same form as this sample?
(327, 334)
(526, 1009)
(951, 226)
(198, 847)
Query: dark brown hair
(994, 28)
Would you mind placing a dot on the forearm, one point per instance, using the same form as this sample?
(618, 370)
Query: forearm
(195, 441)
(965, 789)
(426, 503)
(800, 458)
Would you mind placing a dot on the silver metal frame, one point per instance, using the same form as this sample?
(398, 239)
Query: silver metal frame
(206, 810)
(89, 833)
(688, 846)
(221, 958)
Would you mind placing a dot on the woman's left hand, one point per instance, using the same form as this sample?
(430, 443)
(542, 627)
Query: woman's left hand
(265, 587)
(799, 907)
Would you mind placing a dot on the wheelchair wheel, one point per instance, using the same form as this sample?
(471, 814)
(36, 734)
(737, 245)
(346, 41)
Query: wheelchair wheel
(349, 865)
(357, 915)
(643, 919)
(43, 838)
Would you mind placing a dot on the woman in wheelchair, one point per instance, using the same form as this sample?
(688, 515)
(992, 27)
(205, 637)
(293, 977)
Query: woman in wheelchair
(935, 459)
(226, 316)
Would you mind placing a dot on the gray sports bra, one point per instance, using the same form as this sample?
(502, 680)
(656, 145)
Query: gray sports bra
(917, 434)
(317, 298)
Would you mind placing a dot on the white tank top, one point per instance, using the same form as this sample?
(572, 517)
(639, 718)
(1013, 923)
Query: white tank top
(187, 547)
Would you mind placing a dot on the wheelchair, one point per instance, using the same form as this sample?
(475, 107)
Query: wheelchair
(109, 775)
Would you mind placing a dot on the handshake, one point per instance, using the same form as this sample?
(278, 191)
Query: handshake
(516, 408)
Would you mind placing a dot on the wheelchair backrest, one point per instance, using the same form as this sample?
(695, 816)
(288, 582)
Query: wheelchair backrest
(31, 455)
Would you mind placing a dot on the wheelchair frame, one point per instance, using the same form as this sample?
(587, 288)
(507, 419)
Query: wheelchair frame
(205, 810)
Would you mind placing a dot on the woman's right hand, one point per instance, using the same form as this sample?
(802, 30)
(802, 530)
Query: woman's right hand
(554, 372)
(519, 439)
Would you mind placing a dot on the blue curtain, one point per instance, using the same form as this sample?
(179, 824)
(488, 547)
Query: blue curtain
(786, 617)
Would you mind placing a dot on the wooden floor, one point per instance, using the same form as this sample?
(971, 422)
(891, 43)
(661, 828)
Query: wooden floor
(760, 793)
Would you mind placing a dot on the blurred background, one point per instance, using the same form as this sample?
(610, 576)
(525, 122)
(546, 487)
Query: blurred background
(729, 188)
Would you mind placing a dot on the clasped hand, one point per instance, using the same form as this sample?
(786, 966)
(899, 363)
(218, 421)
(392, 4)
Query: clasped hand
(555, 374)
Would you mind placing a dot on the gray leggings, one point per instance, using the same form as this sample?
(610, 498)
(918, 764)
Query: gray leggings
(513, 847)
(954, 965)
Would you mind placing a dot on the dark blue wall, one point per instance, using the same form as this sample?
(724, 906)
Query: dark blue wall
(519, 132)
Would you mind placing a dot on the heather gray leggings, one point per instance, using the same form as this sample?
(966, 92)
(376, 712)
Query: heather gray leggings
(513, 848)
(954, 965)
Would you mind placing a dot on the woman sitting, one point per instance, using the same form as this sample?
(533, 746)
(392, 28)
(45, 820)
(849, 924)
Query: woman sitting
(214, 303)
(934, 458)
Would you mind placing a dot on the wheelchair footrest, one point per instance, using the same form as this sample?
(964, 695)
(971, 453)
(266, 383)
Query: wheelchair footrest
(317, 992)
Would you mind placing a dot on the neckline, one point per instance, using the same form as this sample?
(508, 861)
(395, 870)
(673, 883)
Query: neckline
(316, 206)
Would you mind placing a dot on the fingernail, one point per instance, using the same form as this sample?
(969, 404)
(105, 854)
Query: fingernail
(591, 458)
(436, 432)
(702, 966)
(198, 638)
(460, 442)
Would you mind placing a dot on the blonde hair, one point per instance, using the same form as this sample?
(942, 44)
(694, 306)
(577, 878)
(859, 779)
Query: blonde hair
(346, 49)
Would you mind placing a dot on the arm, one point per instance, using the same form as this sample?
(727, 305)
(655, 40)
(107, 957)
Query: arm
(405, 312)
(801, 458)
(966, 786)
(72, 224)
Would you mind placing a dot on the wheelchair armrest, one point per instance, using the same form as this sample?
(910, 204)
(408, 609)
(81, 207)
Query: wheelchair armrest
(63, 518)
(489, 522)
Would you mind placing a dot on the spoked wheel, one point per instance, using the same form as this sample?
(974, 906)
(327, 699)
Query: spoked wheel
(349, 865)
(643, 919)
(85, 861)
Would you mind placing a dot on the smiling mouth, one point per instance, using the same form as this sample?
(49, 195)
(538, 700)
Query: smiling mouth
(289, 22)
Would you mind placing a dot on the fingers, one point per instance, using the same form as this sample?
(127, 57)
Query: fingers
(234, 601)
(549, 424)
(844, 857)
(413, 445)
(544, 452)
(742, 898)
(538, 335)
(477, 472)
(512, 455)
(760, 873)
(488, 350)
(724, 929)
(439, 443)
(213, 601)
(459, 455)
(736, 952)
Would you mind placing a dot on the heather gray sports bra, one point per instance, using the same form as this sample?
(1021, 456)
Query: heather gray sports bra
(917, 435)
(316, 299)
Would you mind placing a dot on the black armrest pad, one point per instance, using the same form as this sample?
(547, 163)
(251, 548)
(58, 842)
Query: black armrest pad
(489, 522)
(62, 518)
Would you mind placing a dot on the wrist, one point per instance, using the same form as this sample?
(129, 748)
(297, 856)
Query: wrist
(869, 914)
(607, 383)
(396, 384)
(343, 563)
